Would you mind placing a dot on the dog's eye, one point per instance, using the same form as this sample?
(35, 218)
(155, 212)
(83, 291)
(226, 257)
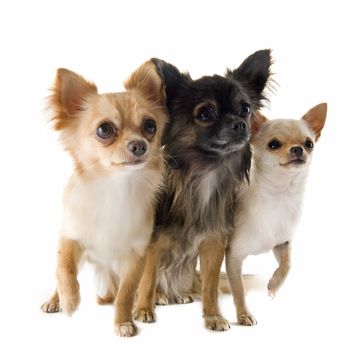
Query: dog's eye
(245, 110)
(106, 131)
(150, 126)
(205, 115)
(274, 144)
(309, 144)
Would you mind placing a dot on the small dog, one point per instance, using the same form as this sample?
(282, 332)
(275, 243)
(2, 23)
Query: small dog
(108, 217)
(206, 145)
(269, 208)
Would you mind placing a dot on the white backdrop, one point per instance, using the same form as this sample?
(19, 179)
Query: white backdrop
(105, 41)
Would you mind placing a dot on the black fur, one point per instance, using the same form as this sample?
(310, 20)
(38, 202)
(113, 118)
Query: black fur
(208, 159)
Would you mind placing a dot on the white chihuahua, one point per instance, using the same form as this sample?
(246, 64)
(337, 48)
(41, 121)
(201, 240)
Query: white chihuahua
(270, 207)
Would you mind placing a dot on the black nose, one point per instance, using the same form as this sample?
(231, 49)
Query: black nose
(138, 148)
(240, 126)
(297, 150)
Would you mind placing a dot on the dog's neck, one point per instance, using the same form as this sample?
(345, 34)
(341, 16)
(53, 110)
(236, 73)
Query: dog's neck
(277, 181)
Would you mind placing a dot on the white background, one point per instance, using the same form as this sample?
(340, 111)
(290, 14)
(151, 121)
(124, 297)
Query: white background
(105, 41)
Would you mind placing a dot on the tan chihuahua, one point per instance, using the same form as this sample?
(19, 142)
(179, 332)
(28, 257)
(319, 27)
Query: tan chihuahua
(115, 141)
(271, 205)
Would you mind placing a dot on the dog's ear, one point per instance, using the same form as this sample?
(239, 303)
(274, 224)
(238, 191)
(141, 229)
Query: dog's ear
(316, 118)
(148, 81)
(172, 78)
(68, 96)
(253, 74)
(257, 120)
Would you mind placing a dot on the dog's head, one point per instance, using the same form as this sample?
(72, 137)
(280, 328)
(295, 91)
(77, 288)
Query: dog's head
(210, 117)
(287, 144)
(113, 130)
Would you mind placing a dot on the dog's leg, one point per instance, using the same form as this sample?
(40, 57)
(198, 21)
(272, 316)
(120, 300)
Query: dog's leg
(144, 310)
(124, 302)
(211, 254)
(67, 296)
(282, 254)
(234, 273)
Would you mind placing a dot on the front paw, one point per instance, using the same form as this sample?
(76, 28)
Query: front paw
(162, 299)
(51, 306)
(126, 329)
(144, 315)
(216, 323)
(246, 319)
(273, 286)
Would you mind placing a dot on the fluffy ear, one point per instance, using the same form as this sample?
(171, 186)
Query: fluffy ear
(69, 93)
(253, 73)
(147, 81)
(316, 118)
(257, 121)
(172, 78)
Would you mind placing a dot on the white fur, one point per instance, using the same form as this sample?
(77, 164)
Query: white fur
(269, 212)
(108, 216)
(206, 187)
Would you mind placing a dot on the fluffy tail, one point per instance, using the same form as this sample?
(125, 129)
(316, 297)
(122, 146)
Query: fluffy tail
(251, 282)
(224, 285)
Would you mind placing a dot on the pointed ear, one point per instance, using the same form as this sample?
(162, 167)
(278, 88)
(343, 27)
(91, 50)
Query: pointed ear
(148, 82)
(257, 121)
(254, 73)
(172, 78)
(316, 118)
(69, 93)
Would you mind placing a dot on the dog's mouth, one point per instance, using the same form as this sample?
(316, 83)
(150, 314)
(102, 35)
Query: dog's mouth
(137, 162)
(227, 147)
(294, 162)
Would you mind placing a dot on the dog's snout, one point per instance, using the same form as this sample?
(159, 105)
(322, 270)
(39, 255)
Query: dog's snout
(240, 126)
(137, 148)
(296, 150)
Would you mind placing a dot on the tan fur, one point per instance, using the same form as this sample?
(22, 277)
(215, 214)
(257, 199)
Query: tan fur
(110, 199)
(211, 255)
(144, 310)
(316, 118)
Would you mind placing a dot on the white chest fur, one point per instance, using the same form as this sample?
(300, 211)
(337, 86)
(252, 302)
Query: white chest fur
(111, 217)
(268, 216)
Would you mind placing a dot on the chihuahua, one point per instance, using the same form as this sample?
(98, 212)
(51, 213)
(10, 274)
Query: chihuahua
(208, 158)
(108, 215)
(270, 207)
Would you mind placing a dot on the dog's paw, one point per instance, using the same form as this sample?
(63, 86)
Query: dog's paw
(126, 329)
(184, 299)
(51, 306)
(216, 323)
(162, 299)
(246, 319)
(144, 315)
(272, 287)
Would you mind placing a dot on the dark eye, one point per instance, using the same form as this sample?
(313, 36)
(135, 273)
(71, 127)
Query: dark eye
(150, 126)
(106, 131)
(245, 110)
(205, 115)
(274, 144)
(309, 144)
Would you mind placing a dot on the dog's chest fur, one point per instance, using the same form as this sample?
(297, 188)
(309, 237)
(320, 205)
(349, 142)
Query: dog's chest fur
(200, 202)
(111, 217)
(267, 216)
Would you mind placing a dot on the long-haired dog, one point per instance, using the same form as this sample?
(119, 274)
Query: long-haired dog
(269, 209)
(206, 145)
(108, 216)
